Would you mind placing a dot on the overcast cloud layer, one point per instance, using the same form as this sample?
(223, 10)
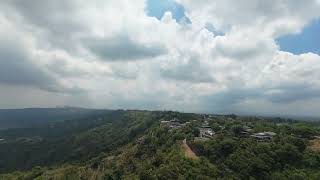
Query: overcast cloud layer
(111, 54)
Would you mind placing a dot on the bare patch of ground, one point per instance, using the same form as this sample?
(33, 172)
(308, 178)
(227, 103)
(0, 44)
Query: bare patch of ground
(314, 145)
(187, 151)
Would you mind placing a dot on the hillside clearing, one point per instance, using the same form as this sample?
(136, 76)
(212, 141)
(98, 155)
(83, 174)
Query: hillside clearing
(187, 151)
(315, 145)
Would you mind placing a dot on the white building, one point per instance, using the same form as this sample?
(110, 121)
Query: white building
(264, 136)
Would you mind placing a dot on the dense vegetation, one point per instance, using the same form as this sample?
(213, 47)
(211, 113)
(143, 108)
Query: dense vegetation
(70, 141)
(133, 145)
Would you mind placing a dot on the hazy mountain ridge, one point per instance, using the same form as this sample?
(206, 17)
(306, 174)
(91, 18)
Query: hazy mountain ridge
(31, 117)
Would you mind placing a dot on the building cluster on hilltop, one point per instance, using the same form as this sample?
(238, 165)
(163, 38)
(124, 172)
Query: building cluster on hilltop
(263, 136)
(174, 124)
(206, 132)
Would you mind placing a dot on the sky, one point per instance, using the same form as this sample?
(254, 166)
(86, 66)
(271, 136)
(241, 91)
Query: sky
(215, 56)
(157, 8)
(303, 42)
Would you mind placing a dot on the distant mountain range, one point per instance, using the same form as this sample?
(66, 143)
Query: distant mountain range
(33, 117)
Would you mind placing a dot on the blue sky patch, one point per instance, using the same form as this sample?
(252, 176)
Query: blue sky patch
(157, 8)
(212, 29)
(306, 41)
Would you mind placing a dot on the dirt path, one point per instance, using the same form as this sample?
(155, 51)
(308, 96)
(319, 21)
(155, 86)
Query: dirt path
(187, 151)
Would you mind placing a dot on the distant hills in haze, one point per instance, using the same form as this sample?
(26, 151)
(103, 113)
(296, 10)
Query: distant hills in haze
(33, 117)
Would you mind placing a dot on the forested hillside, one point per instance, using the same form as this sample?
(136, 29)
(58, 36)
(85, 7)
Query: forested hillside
(70, 141)
(149, 145)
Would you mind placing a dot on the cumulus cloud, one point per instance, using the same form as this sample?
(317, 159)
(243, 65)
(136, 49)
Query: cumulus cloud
(57, 17)
(119, 57)
(272, 18)
(17, 68)
(190, 71)
(21, 64)
(122, 47)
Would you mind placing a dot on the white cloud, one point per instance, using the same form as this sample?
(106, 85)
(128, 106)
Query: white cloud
(271, 18)
(124, 59)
